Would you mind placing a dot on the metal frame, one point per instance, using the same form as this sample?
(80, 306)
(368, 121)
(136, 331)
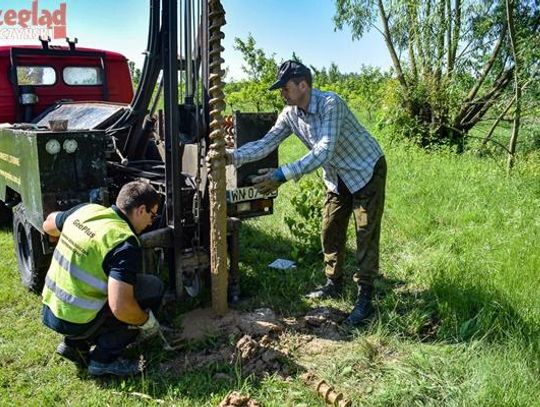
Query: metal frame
(173, 156)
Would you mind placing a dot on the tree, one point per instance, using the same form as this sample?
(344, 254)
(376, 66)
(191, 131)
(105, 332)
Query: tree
(135, 73)
(253, 94)
(452, 58)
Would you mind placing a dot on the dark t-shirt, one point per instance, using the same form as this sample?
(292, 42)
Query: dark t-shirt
(122, 263)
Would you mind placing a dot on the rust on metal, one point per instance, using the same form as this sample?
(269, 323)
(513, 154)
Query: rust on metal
(327, 392)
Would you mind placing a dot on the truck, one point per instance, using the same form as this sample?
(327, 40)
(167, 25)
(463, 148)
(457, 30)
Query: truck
(74, 131)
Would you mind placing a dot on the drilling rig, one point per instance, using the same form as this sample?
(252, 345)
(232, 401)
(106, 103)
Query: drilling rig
(79, 151)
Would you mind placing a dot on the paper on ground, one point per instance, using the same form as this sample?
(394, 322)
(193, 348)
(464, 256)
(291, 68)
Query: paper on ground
(282, 264)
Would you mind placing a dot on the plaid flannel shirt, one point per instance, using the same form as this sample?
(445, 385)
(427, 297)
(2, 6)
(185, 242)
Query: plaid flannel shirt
(335, 138)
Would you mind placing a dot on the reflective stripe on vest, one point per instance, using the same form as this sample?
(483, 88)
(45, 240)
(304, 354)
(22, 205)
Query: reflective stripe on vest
(80, 274)
(95, 305)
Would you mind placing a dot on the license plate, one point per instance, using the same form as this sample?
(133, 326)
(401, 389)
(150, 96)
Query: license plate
(247, 194)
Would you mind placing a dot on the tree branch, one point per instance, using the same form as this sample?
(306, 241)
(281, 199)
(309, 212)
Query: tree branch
(482, 105)
(391, 48)
(517, 112)
(455, 37)
(496, 122)
(492, 141)
(487, 68)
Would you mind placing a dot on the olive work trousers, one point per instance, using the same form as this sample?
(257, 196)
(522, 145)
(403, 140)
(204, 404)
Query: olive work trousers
(111, 336)
(367, 206)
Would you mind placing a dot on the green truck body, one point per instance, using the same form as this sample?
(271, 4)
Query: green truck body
(52, 170)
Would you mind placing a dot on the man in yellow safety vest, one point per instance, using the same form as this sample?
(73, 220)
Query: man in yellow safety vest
(95, 294)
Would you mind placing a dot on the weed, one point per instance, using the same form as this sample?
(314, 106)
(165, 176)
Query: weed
(305, 222)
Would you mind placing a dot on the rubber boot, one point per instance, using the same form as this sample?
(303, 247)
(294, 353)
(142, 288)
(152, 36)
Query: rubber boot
(363, 307)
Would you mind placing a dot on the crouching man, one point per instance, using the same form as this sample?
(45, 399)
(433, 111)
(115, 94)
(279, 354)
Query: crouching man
(95, 294)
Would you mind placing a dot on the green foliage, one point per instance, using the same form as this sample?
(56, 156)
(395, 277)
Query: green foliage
(252, 94)
(305, 222)
(135, 73)
(452, 61)
(363, 91)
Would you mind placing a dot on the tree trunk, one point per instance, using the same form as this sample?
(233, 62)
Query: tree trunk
(440, 43)
(392, 49)
(411, 40)
(417, 37)
(517, 112)
(426, 41)
(448, 35)
(452, 50)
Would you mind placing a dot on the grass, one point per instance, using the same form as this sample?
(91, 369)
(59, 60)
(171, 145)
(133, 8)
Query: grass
(458, 309)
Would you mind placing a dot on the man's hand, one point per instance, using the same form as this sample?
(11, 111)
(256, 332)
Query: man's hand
(269, 180)
(150, 327)
(49, 227)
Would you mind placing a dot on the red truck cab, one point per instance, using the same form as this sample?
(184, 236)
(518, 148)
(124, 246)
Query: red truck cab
(33, 78)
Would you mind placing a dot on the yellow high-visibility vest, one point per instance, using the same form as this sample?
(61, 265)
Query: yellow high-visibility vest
(76, 284)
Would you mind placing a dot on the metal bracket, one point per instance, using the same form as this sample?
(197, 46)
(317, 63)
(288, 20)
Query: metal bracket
(45, 42)
(72, 43)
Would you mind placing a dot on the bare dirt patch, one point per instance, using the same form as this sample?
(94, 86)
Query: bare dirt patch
(259, 342)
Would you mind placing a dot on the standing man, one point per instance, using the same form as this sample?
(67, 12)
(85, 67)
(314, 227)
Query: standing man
(94, 294)
(354, 171)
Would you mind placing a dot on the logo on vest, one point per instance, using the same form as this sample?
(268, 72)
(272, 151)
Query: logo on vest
(83, 228)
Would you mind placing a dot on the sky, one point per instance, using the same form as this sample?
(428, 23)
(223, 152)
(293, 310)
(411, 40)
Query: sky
(279, 27)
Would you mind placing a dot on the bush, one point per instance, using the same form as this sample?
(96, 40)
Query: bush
(305, 224)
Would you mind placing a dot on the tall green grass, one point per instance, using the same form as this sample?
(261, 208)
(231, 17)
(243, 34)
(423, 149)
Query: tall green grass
(457, 305)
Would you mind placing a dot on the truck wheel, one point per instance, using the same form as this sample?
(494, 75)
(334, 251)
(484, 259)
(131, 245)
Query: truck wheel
(33, 263)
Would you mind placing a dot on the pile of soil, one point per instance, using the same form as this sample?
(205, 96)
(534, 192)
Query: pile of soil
(262, 343)
(236, 399)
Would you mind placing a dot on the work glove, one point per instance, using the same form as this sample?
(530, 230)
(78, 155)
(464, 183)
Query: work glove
(149, 328)
(269, 180)
(229, 156)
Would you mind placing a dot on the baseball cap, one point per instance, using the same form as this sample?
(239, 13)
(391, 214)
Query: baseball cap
(288, 70)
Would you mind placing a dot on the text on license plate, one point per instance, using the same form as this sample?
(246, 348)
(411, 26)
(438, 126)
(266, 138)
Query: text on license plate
(247, 194)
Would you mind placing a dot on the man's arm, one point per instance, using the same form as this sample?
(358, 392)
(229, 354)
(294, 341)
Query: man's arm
(123, 304)
(323, 150)
(257, 150)
(121, 265)
(55, 221)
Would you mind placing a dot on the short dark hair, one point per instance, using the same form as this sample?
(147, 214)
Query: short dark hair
(298, 79)
(137, 193)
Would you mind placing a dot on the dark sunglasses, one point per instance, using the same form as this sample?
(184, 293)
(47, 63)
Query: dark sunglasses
(153, 215)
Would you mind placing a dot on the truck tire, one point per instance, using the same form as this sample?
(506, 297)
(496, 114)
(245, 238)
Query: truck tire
(32, 262)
